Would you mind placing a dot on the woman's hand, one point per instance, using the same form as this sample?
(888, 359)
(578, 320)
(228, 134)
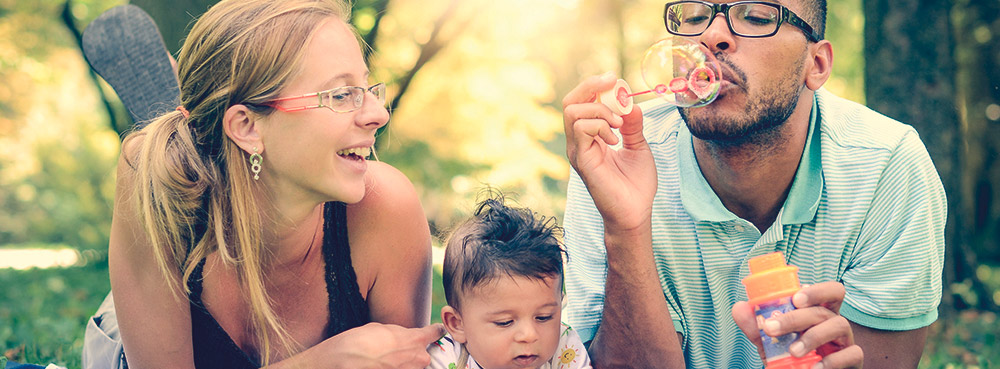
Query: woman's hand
(371, 346)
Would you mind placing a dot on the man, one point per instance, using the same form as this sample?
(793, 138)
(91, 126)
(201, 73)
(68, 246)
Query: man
(660, 230)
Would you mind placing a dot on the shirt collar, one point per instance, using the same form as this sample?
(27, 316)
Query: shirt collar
(702, 204)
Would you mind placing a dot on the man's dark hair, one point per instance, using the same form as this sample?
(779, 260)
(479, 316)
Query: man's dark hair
(816, 16)
(500, 241)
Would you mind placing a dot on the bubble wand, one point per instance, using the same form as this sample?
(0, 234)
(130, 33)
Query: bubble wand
(682, 72)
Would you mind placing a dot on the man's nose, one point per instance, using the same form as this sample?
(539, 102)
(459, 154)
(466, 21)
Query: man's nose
(718, 37)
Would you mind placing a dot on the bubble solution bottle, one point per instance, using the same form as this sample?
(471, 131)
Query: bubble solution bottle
(770, 287)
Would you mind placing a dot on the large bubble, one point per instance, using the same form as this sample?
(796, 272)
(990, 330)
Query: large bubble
(682, 72)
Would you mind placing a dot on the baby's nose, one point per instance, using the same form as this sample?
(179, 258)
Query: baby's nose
(526, 333)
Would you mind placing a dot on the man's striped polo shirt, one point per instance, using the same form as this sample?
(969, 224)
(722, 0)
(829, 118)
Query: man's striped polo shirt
(866, 208)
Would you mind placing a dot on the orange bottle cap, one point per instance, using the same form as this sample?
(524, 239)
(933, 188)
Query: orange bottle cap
(770, 278)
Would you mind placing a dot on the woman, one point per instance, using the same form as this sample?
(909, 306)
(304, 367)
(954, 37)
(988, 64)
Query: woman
(249, 228)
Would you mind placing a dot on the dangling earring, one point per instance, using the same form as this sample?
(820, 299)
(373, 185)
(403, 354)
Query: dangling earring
(255, 160)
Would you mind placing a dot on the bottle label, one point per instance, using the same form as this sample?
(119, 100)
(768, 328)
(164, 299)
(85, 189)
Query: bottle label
(775, 347)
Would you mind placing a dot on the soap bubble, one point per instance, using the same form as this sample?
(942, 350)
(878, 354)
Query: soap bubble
(682, 72)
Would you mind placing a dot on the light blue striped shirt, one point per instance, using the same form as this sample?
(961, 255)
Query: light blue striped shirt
(866, 208)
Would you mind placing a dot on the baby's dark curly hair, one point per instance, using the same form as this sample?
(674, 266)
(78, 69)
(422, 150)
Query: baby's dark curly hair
(499, 241)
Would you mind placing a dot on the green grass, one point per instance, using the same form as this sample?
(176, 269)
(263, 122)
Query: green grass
(43, 314)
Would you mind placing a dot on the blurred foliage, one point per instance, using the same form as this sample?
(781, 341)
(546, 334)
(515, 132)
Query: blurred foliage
(56, 153)
(976, 24)
(972, 340)
(485, 110)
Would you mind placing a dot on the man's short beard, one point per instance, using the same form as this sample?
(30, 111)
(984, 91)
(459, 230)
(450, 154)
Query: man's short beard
(762, 121)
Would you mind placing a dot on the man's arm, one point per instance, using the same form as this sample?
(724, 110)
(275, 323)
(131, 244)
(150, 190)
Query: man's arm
(636, 329)
(890, 349)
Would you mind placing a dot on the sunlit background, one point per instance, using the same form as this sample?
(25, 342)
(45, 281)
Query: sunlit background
(479, 86)
(482, 109)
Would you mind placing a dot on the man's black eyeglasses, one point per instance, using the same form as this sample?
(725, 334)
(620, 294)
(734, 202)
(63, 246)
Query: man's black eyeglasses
(745, 18)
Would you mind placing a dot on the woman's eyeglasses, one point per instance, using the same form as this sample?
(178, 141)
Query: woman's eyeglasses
(341, 99)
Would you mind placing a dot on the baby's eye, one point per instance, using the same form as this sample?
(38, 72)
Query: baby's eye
(505, 323)
(543, 318)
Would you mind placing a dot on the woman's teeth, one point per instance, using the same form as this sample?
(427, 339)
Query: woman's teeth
(361, 152)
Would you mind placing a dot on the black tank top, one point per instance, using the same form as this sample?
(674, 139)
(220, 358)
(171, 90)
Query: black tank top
(213, 348)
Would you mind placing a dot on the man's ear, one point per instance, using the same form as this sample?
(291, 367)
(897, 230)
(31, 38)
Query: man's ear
(820, 64)
(452, 321)
(240, 124)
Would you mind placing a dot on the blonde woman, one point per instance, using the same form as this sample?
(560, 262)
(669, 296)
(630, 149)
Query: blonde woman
(249, 227)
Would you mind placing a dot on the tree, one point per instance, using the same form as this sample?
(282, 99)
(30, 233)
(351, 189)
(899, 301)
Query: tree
(910, 75)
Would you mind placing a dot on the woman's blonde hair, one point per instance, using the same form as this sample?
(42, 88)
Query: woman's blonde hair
(194, 189)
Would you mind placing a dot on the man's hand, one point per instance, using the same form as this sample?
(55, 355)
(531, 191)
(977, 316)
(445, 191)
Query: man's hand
(621, 182)
(817, 316)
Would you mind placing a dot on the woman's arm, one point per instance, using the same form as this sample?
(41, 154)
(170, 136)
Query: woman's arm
(155, 322)
(156, 326)
(371, 346)
(391, 249)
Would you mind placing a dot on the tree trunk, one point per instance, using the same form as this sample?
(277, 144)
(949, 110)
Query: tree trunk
(977, 36)
(910, 76)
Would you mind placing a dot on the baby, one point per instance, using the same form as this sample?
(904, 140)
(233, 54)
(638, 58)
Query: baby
(503, 282)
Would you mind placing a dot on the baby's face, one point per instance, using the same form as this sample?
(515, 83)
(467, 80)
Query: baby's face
(513, 322)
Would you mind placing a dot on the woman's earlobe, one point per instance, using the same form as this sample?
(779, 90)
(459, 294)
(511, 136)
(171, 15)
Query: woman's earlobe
(240, 125)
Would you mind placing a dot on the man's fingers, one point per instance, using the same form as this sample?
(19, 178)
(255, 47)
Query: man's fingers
(747, 321)
(835, 331)
(850, 357)
(585, 131)
(584, 119)
(631, 129)
(576, 112)
(827, 294)
(797, 320)
(588, 90)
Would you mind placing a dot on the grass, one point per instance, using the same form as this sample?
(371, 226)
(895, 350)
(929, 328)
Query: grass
(43, 313)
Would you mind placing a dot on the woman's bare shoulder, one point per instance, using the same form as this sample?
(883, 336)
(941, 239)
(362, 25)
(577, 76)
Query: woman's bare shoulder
(391, 248)
(389, 190)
